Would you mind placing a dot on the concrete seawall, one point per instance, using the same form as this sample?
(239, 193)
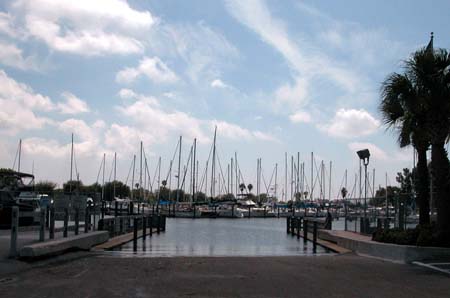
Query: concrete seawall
(364, 245)
(58, 246)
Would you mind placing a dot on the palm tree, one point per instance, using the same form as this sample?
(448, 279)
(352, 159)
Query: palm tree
(432, 71)
(250, 187)
(403, 108)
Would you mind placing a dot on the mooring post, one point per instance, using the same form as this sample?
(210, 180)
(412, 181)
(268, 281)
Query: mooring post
(86, 220)
(103, 209)
(144, 227)
(94, 213)
(151, 225)
(293, 224)
(14, 231)
(66, 222)
(265, 211)
(232, 210)
(158, 224)
(249, 207)
(116, 207)
(315, 237)
(52, 222)
(77, 220)
(138, 208)
(299, 227)
(305, 230)
(288, 224)
(42, 225)
(47, 216)
(194, 212)
(135, 232)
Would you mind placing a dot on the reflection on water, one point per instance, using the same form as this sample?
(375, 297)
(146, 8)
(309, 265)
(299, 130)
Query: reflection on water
(222, 237)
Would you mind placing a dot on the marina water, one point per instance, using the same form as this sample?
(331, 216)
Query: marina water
(221, 237)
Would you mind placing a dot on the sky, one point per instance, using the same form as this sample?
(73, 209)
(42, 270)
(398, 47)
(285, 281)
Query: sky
(273, 76)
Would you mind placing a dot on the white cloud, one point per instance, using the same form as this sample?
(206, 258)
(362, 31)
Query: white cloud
(19, 104)
(351, 123)
(130, 94)
(235, 132)
(311, 66)
(375, 151)
(153, 68)
(7, 26)
(300, 116)
(86, 27)
(72, 105)
(204, 51)
(217, 83)
(11, 55)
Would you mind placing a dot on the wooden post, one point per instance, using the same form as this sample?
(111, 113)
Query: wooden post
(278, 211)
(77, 220)
(151, 225)
(305, 230)
(299, 227)
(14, 231)
(315, 237)
(249, 207)
(47, 217)
(116, 207)
(288, 224)
(66, 222)
(135, 232)
(42, 226)
(144, 227)
(52, 222)
(103, 209)
(86, 220)
(232, 210)
(158, 226)
(265, 211)
(138, 208)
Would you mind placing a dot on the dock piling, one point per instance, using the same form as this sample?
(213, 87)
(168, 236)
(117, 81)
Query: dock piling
(66, 222)
(135, 232)
(52, 222)
(42, 225)
(305, 230)
(77, 220)
(14, 231)
(315, 237)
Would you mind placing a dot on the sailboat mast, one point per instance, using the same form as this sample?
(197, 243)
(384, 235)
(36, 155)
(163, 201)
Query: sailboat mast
(140, 171)
(132, 179)
(285, 176)
(71, 165)
(312, 176)
(20, 154)
(193, 172)
(213, 165)
(329, 182)
(103, 178)
(276, 173)
(179, 169)
(115, 171)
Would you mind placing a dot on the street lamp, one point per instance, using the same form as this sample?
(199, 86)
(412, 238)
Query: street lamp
(364, 156)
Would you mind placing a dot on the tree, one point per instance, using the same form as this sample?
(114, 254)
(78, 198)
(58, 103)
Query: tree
(344, 192)
(403, 108)
(250, 187)
(73, 185)
(406, 185)
(45, 187)
(121, 190)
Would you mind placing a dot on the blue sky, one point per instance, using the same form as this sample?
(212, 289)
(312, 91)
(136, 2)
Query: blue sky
(274, 77)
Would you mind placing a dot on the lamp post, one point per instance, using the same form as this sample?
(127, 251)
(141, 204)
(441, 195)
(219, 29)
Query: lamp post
(364, 156)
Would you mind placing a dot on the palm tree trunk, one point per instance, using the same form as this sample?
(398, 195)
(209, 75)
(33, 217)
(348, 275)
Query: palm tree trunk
(423, 192)
(441, 180)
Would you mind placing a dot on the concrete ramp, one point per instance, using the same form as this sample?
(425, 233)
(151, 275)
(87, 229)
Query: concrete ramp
(59, 246)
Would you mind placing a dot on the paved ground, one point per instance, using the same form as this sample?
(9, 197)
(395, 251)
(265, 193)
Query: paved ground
(348, 275)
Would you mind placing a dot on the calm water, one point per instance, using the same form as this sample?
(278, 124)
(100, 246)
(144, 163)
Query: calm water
(221, 237)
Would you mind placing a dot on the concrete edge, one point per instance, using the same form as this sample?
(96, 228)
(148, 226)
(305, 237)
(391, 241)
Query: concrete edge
(62, 245)
(386, 251)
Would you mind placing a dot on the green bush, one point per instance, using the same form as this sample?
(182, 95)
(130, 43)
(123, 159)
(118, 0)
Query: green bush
(420, 236)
